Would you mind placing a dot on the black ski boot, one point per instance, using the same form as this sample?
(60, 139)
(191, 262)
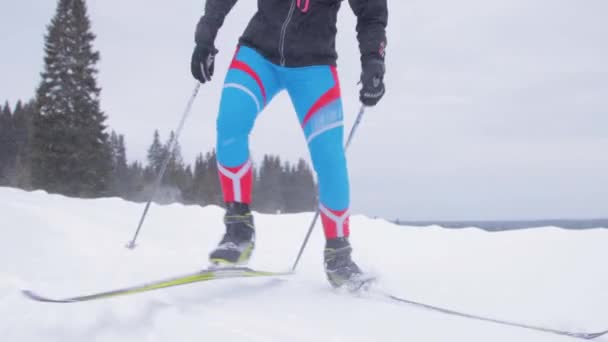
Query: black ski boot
(341, 270)
(239, 240)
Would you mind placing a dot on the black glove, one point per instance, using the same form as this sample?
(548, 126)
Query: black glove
(203, 62)
(372, 80)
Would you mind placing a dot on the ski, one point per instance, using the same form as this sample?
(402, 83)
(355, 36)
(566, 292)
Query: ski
(245, 272)
(579, 335)
(199, 276)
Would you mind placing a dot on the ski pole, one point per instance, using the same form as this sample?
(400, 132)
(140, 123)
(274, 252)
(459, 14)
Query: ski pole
(163, 168)
(316, 217)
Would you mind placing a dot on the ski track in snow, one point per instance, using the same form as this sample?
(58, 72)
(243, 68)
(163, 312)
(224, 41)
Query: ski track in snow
(60, 246)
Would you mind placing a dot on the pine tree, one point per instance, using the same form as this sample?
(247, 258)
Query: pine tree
(23, 125)
(121, 156)
(268, 196)
(205, 186)
(211, 183)
(70, 151)
(8, 148)
(136, 183)
(155, 154)
(177, 177)
(175, 167)
(284, 187)
(195, 193)
(6, 109)
(184, 183)
(298, 190)
(288, 196)
(260, 193)
(304, 187)
(120, 172)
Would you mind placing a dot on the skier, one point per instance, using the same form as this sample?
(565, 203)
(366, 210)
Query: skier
(289, 45)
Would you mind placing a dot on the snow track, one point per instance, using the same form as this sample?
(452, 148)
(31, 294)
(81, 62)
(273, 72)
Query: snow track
(62, 246)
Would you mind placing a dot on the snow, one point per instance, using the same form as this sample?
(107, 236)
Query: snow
(61, 246)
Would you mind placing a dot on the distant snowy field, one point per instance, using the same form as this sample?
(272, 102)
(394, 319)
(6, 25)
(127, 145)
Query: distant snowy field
(61, 246)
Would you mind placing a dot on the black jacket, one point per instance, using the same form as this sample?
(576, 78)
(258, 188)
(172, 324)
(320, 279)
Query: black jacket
(300, 32)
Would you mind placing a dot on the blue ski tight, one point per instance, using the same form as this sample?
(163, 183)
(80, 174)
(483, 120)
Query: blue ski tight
(251, 83)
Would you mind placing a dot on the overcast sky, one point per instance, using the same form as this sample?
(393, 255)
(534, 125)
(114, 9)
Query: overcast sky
(494, 109)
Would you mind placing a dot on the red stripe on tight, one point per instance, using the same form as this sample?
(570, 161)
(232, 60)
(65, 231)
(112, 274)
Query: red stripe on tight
(227, 188)
(238, 48)
(329, 96)
(245, 182)
(330, 227)
(238, 65)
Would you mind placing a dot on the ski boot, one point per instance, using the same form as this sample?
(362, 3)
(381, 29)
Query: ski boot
(238, 242)
(341, 270)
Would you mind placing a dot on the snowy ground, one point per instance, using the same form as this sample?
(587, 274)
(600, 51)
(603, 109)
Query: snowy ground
(62, 247)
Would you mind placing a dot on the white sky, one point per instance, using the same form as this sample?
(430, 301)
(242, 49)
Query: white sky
(494, 109)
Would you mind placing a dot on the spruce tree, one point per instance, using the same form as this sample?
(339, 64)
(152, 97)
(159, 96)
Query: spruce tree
(70, 151)
(288, 196)
(22, 123)
(260, 186)
(6, 108)
(268, 196)
(136, 183)
(119, 177)
(155, 154)
(195, 193)
(205, 188)
(121, 156)
(175, 168)
(212, 187)
(8, 148)
(304, 187)
(177, 176)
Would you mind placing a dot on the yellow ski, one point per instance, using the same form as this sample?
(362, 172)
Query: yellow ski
(204, 275)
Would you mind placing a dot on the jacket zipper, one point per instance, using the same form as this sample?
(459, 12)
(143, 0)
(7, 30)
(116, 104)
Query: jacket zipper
(284, 32)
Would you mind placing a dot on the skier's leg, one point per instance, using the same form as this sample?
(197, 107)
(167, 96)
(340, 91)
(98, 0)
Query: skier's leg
(315, 93)
(250, 84)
